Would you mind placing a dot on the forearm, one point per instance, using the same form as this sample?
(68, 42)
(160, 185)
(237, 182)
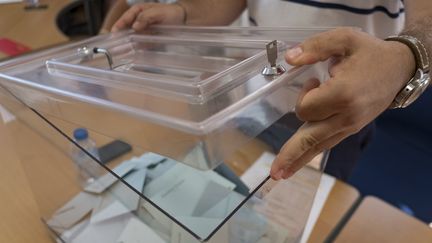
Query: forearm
(212, 12)
(114, 13)
(419, 22)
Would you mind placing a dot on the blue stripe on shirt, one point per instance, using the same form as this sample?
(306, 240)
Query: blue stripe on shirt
(339, 6)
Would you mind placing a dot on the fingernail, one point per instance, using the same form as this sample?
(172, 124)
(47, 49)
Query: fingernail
(294, 52)
(278, 175)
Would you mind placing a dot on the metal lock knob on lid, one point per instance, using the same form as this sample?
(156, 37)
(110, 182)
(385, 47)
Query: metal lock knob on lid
(273, 69)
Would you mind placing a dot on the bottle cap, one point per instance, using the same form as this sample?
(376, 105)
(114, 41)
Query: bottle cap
(80, 134)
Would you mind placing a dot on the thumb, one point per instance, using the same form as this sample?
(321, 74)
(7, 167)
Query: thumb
(338, 42)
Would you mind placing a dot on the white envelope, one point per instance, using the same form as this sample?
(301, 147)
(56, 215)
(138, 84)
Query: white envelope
(119, 199)
(147, 159)
(179, 235)
(124, 194)
(73, 211)
(181, 172)
(202, 227)
(138, 232)
(106, 232)
(113, 210)
(71, 233)
(184, 191)
(155, 223)
(225, 206)
(107, 180)
(164, 221)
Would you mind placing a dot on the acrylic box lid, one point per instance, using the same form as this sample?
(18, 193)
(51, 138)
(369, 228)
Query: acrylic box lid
(202, 86)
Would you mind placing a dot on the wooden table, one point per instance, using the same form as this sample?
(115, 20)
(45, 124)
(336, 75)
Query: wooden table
(19, 212)
(378, 221)
(34, 28)
(341, 199)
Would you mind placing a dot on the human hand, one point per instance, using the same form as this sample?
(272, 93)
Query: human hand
(141, 16)
(103, 31)
(366, 75)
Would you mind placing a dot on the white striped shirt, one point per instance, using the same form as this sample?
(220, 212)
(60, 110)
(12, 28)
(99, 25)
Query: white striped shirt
(377, 17)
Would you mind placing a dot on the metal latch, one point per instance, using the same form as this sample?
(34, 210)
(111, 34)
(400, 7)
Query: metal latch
(107, 55)
(272, 53)
(87, 54)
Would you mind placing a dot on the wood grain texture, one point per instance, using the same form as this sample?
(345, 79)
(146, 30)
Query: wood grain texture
(18, 208)
(19, 211)
(33, 28)
(339, 202)
(376, 221)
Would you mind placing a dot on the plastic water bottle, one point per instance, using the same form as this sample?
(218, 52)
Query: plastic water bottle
(88, 169)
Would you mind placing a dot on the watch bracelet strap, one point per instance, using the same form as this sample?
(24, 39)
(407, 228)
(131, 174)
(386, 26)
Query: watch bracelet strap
(418, 49)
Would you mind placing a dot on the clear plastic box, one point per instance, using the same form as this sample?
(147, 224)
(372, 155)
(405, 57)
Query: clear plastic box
(184, 99)
(196, 89)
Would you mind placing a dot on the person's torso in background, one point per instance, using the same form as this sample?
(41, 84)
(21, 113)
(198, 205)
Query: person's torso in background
(377, 17)
(132, 2)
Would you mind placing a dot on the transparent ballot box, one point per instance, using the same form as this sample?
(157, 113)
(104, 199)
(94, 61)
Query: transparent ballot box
(204, 110)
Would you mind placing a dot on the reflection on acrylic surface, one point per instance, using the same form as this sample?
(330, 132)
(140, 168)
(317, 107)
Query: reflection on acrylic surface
(207, 205)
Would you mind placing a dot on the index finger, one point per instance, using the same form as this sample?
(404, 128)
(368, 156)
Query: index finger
(319, 101)
(306, 140)
(128, 17)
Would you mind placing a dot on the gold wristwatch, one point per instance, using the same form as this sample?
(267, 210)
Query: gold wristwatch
(421, 79)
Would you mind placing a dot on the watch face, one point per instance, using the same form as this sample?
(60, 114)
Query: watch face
(419, 86)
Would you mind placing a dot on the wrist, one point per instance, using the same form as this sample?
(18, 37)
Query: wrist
(418, 82)
(182, 13)
(407, 60)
